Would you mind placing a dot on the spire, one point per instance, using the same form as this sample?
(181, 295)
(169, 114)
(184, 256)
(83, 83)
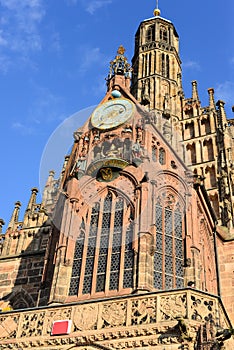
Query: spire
(48, 189)
(157, 12)
(32, 199)
(15, 215)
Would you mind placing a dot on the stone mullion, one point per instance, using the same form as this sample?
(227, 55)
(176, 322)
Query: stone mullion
(212, 123)
(123, 241)
(110, 245)
(20, 325)
(198, 151)
(198, 121)
(97, 250)
(142, 65)
(84, 254)
(146, 65)
(129, 312)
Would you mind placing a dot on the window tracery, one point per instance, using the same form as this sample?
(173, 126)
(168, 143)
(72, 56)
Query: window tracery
(163, 34)
(168, 257)
(150, 34)
(108, 254)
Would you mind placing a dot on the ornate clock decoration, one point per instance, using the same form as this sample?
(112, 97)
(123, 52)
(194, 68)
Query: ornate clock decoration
(112, 113)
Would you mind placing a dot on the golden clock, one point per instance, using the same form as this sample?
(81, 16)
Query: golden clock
(112, 113)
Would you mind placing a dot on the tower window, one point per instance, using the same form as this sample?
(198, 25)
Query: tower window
(165, 65)
(163, 34)
(103, 258)
(150, 34)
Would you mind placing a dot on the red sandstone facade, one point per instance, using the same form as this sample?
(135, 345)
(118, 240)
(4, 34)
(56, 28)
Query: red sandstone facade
(131, 246)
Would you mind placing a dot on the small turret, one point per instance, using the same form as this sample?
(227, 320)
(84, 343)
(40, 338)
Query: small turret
(211, 98)
(32, 199)
(14, 216)
(195, 96)
(47, 199)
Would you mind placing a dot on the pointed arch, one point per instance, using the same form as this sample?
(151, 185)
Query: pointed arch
(169, 254)
(103, 258)
(21, 299)
(150, 34)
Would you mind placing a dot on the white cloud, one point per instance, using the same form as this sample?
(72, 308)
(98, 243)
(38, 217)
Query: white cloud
(20, 27)
(225, 91)
(46, 107)
(192, 65)
(22, 128)
(94, 5)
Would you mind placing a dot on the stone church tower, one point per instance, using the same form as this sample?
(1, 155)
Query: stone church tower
(131, 248)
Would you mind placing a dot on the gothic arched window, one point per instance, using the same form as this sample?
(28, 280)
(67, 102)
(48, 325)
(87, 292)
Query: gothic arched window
(150, 34)
(163, 34)
(162, 156)
(168, 257)
(103, 258)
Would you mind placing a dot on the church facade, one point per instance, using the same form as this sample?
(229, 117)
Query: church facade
(132, 247)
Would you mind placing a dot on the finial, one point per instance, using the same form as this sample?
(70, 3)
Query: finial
(120, 65)
(157, 12)
(121, 50)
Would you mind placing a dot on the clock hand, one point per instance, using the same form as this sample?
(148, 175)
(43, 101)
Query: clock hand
(111, 116)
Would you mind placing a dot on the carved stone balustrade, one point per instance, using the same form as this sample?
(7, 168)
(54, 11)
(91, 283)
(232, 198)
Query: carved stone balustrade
(160, 320)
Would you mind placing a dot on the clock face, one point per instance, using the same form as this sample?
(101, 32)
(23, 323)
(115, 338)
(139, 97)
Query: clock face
(112, 113)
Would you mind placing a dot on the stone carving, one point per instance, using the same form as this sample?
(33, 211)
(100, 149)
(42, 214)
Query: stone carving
(8, 327)
(172, 307)
(85, 317)
(202, 309)
(56, 315)
(114, 314)
(144, 311)
(129, 323)
(32, 324)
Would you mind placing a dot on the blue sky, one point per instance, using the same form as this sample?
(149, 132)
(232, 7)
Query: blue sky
(54, 57)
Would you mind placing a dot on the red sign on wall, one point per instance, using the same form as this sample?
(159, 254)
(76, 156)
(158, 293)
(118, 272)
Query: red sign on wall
(61, 327)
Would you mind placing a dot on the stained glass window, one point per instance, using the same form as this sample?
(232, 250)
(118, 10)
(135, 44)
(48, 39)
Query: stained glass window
(109, 243)
(168, 257)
